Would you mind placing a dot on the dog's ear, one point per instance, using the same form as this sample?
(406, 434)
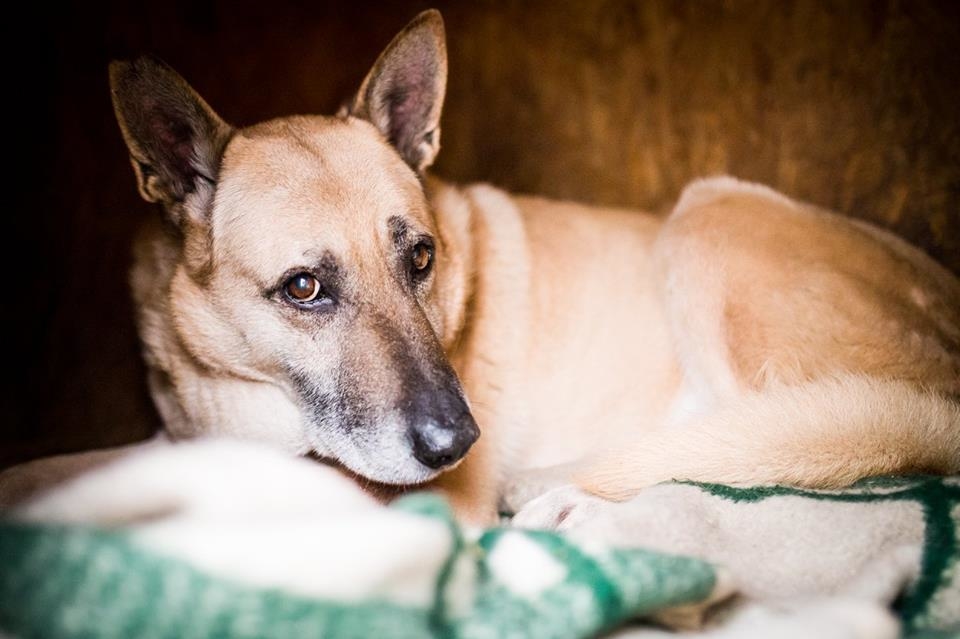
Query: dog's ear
(403, 93)
(175, 139)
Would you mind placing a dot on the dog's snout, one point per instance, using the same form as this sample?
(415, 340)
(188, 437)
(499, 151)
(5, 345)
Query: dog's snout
(438, 443)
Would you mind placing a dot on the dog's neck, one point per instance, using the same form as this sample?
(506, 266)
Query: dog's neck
(457, 287)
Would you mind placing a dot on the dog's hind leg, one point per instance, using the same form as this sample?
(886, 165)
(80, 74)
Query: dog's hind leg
(815, 351)
(823, 434)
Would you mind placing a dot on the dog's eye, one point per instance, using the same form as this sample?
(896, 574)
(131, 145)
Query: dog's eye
(421, 258)
(302, 288)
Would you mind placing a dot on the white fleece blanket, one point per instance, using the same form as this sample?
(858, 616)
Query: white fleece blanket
(877, 560)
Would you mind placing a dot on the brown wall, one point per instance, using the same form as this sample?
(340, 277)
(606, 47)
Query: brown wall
(852, 105)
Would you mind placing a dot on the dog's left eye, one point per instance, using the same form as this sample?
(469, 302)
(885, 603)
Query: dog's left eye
(421, 259)
(302, 288)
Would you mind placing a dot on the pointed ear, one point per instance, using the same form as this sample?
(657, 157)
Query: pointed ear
(403, 93)
(175, 139)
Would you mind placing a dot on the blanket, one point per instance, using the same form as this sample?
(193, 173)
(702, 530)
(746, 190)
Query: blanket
(223, 539)
(805, 563)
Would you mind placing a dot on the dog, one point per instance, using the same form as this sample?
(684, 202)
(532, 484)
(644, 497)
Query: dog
(311, 285)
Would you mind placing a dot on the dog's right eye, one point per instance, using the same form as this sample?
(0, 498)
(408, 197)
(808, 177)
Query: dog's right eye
(302, 288)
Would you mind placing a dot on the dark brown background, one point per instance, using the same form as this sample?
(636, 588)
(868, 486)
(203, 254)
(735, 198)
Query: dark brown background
(852, 105)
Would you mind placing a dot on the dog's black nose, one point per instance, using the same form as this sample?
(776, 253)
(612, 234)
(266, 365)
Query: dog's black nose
(436, 445)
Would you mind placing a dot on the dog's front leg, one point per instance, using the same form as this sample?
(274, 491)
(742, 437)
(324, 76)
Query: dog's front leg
(524, 486)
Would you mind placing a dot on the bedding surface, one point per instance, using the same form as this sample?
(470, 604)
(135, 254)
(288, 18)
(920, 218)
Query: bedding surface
(223, 539)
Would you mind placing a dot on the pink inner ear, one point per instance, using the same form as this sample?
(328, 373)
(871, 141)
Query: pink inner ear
(410, 92)
(168, 132)
(404, 110)
(176, 144)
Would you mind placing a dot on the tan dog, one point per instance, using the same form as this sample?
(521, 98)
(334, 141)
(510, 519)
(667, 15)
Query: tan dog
(309, 286)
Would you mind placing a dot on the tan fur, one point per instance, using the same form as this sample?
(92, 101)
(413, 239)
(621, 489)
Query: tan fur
(746, 338)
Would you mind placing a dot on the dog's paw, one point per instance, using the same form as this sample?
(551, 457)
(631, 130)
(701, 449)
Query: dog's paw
(526, 486)
(563, 508)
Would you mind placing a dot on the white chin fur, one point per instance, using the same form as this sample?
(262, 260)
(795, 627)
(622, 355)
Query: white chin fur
(389, 460)
(402, 473)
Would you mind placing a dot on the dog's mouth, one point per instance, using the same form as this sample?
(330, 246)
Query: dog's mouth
(426, 429)
(380, 456)
(408, 445)
(383, 492)
(385, 486)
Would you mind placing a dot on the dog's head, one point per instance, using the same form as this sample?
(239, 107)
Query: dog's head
(309, 257)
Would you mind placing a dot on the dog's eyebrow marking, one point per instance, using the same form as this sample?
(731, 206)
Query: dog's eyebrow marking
(399, 229)
(327, 266)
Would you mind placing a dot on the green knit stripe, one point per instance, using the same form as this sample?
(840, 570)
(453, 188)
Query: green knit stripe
(599, 597)
(597, 593)
(871, 489)
(432, 505)
(939, 552)
(937, 498)
(953, 632)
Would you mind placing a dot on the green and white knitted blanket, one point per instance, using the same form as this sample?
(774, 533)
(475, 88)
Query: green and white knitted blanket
(221, 539)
